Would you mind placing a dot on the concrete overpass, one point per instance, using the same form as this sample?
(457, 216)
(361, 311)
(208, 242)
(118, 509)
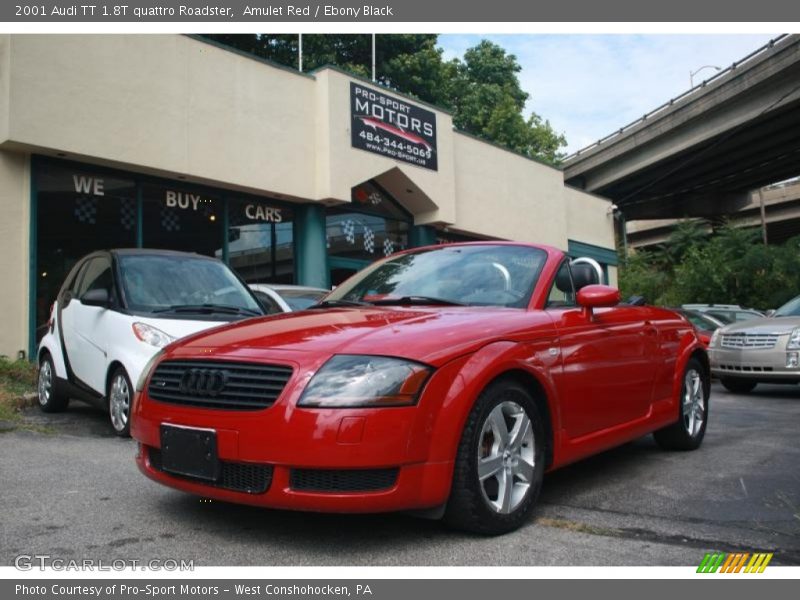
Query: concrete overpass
(781, 217)
(701, 153)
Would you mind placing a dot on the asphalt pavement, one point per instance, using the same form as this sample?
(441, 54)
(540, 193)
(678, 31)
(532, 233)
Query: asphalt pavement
(73, 492)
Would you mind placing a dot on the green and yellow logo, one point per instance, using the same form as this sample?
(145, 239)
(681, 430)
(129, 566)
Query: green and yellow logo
(737, 562)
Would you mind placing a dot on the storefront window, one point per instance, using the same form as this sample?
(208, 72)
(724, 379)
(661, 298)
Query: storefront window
(375, 226)
(174, 218)
(260, 241)
(78, 211)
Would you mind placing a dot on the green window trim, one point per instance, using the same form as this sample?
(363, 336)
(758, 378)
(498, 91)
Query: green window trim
(605, 256)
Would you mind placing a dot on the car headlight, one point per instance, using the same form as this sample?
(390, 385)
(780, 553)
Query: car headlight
(349, 381)
(714, 339)
(151, 335)
(146, 371)
(794, 340)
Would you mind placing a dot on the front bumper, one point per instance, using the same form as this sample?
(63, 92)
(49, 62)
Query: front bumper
(288, 445)
(763, 365)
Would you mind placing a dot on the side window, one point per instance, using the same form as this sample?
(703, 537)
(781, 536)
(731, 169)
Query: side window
(77, 277)
(97, 275)
(562, 293)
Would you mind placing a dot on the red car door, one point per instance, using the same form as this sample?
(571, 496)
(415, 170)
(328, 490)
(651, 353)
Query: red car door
(609, 365)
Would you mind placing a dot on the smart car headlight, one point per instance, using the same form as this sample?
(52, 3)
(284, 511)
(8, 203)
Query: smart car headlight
(151, 335)
(794, 340)
(146, 371)
(350, 381)
(714, 339)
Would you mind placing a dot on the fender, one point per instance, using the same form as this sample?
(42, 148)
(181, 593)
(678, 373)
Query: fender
(478, 371)
(689, 346)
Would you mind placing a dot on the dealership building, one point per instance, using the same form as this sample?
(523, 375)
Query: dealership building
(169, 141)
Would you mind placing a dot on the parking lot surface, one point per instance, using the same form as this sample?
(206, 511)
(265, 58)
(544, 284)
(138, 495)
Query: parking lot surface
(74, 492)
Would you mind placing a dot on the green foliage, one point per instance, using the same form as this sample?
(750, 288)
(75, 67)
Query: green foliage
(482, 91)
(732, 266)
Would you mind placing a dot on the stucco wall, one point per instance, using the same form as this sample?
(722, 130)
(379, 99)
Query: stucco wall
(166, 103)
(589, 218)
(505, 195)
(14, 252)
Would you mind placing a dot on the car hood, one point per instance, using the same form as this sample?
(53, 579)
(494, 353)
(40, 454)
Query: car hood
(430, 335)
(764, 325)
(179, 328)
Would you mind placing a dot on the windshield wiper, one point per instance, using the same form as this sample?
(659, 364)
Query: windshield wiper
(207, 309)
(418, 300)
(337, 304)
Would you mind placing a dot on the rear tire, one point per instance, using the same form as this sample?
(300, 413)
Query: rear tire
(738, 386)
(51, 398)
(500, 462)
(120, 399)
(688, 431)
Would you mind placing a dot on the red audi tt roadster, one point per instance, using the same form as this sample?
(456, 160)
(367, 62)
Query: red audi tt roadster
(443, 380)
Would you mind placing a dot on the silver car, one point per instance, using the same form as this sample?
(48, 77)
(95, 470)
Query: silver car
(764, 350)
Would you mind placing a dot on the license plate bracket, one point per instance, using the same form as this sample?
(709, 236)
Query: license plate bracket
(190, 452)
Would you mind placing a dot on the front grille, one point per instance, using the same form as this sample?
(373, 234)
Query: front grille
(762, 341)
(218, 384)
(239, 477)
(350, 480)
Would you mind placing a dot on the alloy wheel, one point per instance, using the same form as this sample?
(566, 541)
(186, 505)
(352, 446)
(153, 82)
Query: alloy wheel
(45, 385)
(694, 403)
(119, 402)
(506, 457)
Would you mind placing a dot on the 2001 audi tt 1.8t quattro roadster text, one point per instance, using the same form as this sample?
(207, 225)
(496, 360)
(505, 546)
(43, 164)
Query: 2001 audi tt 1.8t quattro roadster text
(445, 379)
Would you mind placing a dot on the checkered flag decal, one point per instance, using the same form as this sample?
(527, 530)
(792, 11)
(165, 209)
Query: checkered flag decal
(170, 220)
(388, 247)
(127, 214)
(86, 210)
(369, 240)
(349, 231)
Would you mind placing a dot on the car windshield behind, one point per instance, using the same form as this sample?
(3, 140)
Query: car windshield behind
(301, 299)
(479, 275)
(175, 283)
(790, 309)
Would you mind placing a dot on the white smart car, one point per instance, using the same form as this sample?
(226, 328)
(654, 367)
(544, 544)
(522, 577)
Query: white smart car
(114, 312)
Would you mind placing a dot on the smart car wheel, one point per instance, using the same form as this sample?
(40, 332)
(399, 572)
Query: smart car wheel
(51, 399)
(120, 395)
(688, 432)
(738, 386)
(500, 462)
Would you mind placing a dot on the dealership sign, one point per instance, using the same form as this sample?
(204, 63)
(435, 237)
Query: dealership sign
(395, 128)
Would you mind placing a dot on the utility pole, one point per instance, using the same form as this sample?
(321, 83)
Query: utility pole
(374, 79)
(763, 215)
(300, 52)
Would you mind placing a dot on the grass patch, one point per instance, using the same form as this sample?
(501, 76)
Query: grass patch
(577, 527)
(17, 378)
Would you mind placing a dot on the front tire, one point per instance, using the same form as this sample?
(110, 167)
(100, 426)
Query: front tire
(690, 429)
(51, 398)
(120, 396)
(738, 386)
(500, 462)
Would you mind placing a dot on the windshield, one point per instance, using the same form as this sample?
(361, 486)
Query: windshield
(301, 299)
(164, 283)
(481, 275)
(790, 309)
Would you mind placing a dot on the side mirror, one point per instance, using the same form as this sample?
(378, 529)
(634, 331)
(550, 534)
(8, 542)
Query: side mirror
(597, 296)
(97, 297)
(770, 312)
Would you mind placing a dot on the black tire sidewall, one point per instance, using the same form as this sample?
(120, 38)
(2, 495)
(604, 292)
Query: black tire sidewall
(482, 517)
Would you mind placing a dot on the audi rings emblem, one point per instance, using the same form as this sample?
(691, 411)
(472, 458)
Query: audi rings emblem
(203, 382)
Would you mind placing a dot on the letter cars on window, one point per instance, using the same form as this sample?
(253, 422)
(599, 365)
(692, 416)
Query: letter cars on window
(445, 379)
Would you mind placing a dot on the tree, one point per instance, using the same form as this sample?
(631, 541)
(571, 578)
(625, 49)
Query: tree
(483, 90)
